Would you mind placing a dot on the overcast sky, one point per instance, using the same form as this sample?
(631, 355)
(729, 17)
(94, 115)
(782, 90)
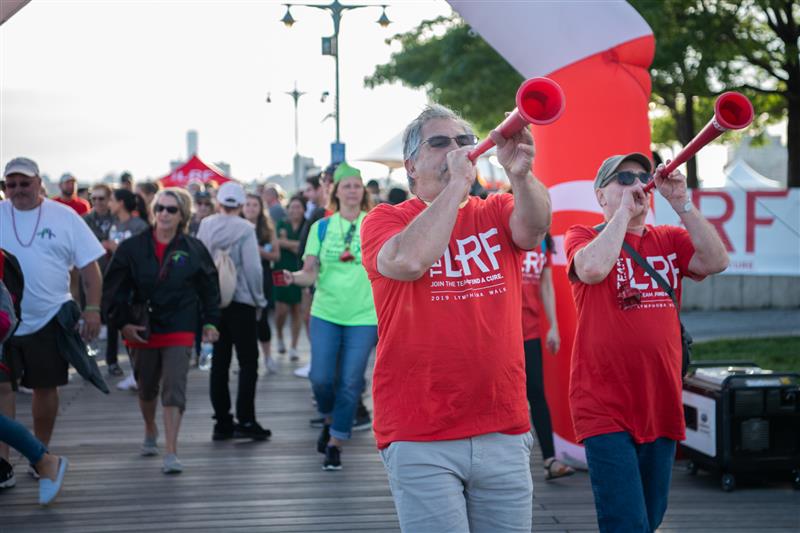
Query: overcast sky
(97, 87)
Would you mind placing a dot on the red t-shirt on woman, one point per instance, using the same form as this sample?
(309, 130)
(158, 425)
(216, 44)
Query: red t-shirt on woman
(533, 264)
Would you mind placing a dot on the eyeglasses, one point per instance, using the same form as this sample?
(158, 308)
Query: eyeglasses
(443, 141)
(99, 198)
(171, 209)
(20, 184)
(627, 177)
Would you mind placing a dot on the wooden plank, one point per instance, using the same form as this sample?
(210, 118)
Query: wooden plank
(279, 485)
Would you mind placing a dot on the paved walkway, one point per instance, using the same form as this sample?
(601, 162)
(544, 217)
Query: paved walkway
(713, 325)
(278, 486)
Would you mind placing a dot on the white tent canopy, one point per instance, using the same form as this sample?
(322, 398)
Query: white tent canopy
(390, 153)
(740, 174)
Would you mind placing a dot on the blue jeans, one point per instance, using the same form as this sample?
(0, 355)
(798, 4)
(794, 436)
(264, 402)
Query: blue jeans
(630, 481)
(18, 437)
(338, 360)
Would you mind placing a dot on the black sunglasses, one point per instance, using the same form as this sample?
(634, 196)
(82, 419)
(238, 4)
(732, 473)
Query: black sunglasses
(171, 209)
(626, 177)
(443, 141)
(21, 185)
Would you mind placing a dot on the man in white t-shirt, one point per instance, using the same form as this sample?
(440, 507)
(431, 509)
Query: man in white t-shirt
(48, 239)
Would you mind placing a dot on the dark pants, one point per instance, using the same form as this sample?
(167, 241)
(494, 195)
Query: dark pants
(630, 481)
(112, 343)
(237, 328)
(534, 383)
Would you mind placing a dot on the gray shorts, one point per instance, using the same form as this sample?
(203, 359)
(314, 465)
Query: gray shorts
(167, 367)
(478, 485)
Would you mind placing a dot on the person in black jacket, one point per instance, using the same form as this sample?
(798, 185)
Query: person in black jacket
(153, 287)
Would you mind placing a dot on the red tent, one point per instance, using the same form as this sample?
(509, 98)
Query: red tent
(193, 170)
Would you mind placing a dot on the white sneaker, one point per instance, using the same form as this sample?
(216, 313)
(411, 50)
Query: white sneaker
(24, 390)
(281, 346)
(271, 365)
(293, 354)
(129, 383)
(303, 371)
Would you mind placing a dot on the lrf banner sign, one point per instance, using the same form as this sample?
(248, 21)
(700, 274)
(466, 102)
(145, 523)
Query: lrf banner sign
(760, 228)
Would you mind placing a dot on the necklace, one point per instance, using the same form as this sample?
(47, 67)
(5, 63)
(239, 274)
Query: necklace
(347, 255)
(14, 225)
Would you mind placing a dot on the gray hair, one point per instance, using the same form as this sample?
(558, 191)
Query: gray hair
(412, 136)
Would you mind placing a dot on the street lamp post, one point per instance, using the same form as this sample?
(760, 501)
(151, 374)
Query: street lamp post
(331, 47)
(295, 94)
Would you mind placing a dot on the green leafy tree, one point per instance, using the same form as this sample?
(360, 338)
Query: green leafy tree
(452, 63)
(763, 35)
(706, 47)
(703, 48)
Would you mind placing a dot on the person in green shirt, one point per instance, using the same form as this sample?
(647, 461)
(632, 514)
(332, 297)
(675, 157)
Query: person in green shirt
(288, 298)
(344, 324)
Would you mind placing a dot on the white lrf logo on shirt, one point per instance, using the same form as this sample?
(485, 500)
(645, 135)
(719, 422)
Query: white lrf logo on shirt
(663, 265)
(473, 252)
(533, 262)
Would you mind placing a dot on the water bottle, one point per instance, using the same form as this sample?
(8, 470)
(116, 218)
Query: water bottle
(92, 347)
(206, 353)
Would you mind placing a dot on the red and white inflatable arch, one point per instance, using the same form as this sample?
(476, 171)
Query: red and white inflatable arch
(599, 53)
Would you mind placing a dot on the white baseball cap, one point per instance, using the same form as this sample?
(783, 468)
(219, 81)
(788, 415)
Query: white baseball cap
(231, 194)
(21, 165)
(66, 176)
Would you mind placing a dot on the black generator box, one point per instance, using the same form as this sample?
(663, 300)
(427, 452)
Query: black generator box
(741, 420)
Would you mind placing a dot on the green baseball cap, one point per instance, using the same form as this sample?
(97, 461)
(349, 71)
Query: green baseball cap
(345, 171)
(610, 165)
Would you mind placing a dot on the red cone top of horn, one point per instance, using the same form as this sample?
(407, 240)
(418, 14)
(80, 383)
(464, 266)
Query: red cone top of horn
(540, 101)
(733, 111)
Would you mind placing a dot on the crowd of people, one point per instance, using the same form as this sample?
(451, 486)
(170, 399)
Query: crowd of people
(449, 288)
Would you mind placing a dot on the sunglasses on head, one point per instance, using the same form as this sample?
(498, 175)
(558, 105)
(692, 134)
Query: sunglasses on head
(443, 141)
(171, 209)
(627, 177)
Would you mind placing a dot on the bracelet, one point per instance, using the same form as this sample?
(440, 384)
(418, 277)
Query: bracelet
(89, 308)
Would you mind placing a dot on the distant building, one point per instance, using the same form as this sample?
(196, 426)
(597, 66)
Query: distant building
(191, 143)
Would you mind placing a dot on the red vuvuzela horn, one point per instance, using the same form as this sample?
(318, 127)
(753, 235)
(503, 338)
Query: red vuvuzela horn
(539, 101)
(732, 111)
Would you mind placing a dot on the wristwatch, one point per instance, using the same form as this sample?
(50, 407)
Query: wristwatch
(686, 207)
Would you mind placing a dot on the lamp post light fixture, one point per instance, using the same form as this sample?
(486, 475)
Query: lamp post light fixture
(330, 46)
(296, 94)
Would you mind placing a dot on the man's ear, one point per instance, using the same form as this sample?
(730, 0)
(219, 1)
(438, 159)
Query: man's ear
(410, 170)
(601, 197)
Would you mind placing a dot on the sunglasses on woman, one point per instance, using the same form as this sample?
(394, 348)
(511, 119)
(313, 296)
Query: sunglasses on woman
(627, 177)
(171, 209)
(443, 141)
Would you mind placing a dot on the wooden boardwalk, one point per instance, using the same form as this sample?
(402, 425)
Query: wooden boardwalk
(278, 486)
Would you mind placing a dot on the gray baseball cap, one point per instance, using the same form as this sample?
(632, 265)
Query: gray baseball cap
(610, 166)
(21, 165)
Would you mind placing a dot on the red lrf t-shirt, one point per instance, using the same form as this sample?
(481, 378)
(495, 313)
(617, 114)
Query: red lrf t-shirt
(626, 363)
(533, 263)
(79, 205)
(450, 363)
(163, 340)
